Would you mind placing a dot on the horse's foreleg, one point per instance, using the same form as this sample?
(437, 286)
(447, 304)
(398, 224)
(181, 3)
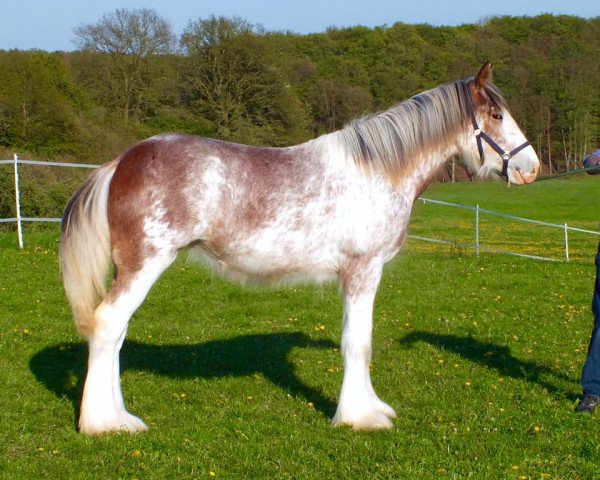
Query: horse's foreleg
(102, 407)
(359, 406)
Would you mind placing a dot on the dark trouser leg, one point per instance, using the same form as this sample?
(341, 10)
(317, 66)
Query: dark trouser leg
(590, 377)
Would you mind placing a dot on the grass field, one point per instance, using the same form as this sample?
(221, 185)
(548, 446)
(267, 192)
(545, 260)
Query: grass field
(480, 357)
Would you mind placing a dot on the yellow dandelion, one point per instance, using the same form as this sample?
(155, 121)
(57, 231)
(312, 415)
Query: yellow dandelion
(441, 361)
(515, 467)
(41, 449)
(537, 429)
(467, 384)
(212, 474)
(310, 405)
(136, 453)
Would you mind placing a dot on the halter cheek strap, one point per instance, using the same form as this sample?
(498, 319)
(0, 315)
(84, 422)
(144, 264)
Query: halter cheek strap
(480, 134)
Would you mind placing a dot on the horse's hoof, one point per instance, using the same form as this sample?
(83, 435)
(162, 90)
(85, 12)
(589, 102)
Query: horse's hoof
(375, 420)
(123, 423)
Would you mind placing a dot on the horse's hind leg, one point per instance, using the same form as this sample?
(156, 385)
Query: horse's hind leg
(102, 406)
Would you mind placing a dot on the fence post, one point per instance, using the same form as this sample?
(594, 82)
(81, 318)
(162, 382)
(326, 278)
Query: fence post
(477, 229)
(18, 203)
(566, 242)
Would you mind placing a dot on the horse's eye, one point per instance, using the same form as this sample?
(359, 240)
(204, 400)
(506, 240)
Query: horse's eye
(496, 116)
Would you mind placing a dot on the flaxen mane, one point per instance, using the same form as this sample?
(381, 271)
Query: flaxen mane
(396, 138)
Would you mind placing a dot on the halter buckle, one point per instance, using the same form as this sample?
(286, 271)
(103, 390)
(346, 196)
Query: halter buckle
(477, 132)
(506, 156)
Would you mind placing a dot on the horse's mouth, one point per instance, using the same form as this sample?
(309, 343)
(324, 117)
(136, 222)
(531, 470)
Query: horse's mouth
(527, 177)
(519, 178)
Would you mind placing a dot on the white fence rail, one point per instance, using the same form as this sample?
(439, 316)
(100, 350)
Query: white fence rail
(479, 248)
(16, 161)
(19, 219)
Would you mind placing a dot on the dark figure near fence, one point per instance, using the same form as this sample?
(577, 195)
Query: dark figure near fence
(592, 161)
(590, 376)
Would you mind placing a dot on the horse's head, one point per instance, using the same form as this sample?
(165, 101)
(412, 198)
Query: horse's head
(495, 144)
(592, 163)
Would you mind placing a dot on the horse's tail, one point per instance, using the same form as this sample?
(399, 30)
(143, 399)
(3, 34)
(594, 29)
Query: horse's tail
(85, 247)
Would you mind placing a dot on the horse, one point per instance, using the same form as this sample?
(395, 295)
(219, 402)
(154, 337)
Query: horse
(334, 208)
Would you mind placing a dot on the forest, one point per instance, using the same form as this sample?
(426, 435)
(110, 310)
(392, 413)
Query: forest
(131, 77)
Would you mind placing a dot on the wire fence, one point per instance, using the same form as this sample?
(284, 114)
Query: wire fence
(566, 234)
(19, 219)
(474, 226)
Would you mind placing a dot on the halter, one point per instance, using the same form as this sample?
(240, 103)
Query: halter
(480, 134)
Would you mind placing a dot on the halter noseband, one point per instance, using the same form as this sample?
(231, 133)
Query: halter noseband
(480, 134)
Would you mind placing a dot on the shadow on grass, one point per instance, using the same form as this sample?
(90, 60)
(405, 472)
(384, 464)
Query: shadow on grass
(61, 368)
(497, 357)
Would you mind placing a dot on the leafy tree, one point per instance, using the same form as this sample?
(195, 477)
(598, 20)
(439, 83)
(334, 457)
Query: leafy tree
(333, 104)
(227, 80)
(38, 102)
(129, 39)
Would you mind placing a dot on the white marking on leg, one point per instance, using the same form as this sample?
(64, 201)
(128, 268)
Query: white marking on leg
(102, 405)
(359, 406)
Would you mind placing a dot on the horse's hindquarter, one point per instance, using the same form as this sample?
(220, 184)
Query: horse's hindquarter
(254, 213)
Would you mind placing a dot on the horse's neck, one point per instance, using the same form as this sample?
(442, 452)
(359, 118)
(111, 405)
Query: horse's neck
(420, 173)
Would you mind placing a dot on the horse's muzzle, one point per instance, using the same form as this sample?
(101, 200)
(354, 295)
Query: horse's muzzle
(526, 177)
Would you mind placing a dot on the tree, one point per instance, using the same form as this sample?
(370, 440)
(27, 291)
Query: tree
(128, 39)
(228, 80)
(334, 105)
(38, 102)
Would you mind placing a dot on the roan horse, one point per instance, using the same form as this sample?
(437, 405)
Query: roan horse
(336, 207)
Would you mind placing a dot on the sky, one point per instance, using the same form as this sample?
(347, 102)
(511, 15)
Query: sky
(48, 24)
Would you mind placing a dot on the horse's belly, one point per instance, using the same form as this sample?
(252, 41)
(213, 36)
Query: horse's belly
(267, 258)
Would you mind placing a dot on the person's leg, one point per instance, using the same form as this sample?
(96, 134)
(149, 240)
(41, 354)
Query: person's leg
(590, 376)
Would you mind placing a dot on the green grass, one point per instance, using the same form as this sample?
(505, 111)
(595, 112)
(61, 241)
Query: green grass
(569, 201)
(480, 357)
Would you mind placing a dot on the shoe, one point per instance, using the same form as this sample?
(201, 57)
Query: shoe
(588, 403)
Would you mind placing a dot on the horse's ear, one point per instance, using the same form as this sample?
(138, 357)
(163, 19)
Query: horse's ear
(485, 75)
